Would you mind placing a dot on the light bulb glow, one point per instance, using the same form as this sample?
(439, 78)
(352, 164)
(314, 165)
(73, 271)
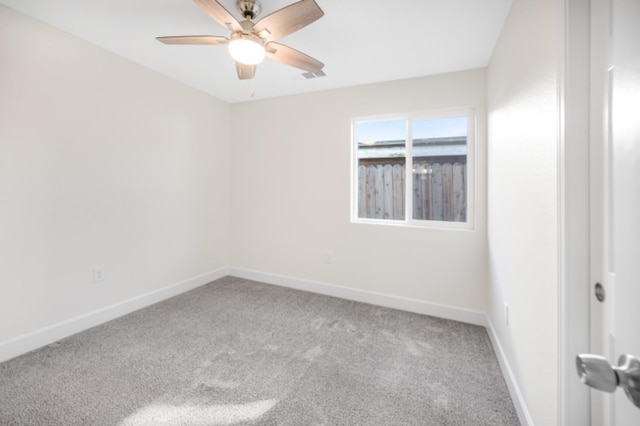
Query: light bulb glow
(246, 49)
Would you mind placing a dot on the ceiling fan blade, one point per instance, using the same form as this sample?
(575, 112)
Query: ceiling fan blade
(287, 55)
(289, 19)
(218, 13)
(245, 72)
(197, 39)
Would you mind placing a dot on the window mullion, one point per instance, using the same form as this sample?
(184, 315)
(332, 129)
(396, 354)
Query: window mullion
(408, 180)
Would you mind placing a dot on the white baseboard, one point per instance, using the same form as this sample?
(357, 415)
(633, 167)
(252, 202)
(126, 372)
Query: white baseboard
(380, 299)
(516, 395)
(45, 336)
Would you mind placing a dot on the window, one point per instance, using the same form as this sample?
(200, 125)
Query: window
(415, 170)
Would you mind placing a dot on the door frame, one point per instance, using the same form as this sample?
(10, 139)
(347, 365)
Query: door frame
(574, 287)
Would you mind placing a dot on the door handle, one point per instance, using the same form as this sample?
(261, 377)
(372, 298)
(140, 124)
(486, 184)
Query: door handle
(596, 372)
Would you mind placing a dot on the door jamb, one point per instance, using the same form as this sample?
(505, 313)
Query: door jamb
(573, 218)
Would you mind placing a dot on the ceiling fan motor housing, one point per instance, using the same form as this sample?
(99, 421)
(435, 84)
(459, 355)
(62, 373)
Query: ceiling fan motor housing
(249, 9)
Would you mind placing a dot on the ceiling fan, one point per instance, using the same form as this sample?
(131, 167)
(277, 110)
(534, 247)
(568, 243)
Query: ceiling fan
(250, 41)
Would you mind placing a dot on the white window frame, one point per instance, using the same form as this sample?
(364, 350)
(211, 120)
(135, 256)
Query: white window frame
(469, 112)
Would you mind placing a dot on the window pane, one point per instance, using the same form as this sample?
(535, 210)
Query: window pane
(381, 156)
(440, 169)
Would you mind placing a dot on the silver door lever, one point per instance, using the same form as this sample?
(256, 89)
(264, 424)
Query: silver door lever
(595, 371)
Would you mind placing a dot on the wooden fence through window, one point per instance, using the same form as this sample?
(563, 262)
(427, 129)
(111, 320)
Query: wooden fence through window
(438, 190)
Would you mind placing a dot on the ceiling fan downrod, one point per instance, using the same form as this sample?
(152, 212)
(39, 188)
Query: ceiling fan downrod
(249, 9)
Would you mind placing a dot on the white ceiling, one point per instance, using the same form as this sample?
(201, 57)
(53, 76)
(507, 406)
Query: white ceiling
(359, 41)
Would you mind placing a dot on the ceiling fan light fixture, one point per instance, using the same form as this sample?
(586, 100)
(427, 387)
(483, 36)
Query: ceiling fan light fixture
(246, 49)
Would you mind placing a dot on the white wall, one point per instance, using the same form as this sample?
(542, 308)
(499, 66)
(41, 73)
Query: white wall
(102, 162)
(291, 195)
(522, 199)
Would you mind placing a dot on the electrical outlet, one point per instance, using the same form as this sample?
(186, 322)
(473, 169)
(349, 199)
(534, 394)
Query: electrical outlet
(328, 257)
(506, 314)
(98, 274)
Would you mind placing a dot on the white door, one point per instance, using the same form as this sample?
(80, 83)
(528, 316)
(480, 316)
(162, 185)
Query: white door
(615, 207)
